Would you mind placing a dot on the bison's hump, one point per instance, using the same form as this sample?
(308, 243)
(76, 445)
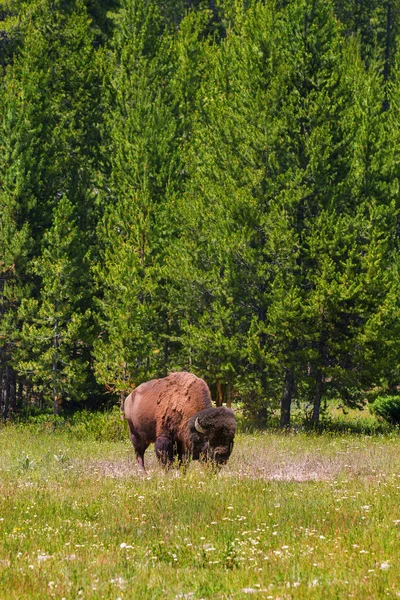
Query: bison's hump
(182, 393)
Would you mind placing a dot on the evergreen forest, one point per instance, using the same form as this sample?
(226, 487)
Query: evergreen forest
(202, 185)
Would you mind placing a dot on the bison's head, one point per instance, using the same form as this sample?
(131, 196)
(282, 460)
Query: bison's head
(211, 432)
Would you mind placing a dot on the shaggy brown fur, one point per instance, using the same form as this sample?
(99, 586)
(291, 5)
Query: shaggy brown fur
(164, 411)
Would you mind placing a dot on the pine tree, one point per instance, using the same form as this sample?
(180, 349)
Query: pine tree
(50, 130)
(378, 25)
(346, 224)
(277, 216)
(15, 244)
(136, 229)
(247, 162)
(192, 54)
(53, 344)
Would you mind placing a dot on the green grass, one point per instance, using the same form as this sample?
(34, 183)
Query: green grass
(291, 516)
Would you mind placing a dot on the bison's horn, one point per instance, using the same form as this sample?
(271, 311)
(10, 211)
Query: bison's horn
(198, 427)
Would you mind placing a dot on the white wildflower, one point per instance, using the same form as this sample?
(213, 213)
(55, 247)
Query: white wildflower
(41, 557)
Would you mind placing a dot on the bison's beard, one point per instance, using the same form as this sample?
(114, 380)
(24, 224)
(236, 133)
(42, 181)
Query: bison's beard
(205, 452)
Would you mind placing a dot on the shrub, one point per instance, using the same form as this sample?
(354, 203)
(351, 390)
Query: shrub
(100, 426)
(387, 407)
(82, 425)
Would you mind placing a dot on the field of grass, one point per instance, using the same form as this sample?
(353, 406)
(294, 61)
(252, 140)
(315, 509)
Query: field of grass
(290, 516)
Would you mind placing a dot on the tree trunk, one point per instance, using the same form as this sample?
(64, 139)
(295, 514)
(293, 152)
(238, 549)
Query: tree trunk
(318, 397)
(319, 376)
(388, 43)
(57, 405)
(229, 395)
(166, 349)
(287, 397)
(13, 391)
(219, 394)
(1, 389)
(19, 395)
(56, 396)
(8, 391)
(5, 387)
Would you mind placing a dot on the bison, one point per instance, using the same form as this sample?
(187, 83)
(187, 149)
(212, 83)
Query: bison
(176, 414)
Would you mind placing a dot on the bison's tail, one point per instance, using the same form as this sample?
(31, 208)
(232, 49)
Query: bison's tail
(122, 401)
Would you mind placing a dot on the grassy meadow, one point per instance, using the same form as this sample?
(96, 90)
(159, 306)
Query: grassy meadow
(290, 516)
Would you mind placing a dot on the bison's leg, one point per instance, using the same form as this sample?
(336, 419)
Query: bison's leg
(183, 457)
(164, 448)
(138, 446)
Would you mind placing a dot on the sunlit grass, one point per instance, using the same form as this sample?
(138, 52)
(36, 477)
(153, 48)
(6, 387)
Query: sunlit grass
(291, 516)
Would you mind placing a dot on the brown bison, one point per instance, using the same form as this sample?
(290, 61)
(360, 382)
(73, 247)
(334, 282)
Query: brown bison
(177, 414)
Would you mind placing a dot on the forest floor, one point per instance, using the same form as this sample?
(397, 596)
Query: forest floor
(291, 516)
